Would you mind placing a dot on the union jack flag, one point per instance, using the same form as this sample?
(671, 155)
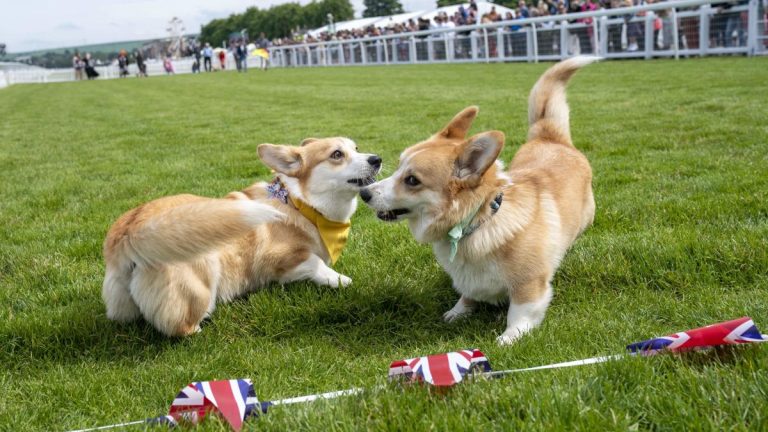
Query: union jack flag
(738, 331)
(232, 399)
(440, 369)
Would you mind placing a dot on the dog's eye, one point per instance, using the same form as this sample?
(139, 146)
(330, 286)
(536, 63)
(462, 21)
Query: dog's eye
(412, 181)
(338, 154)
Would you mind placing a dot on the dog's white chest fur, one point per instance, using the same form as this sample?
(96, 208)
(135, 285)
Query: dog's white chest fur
(478, 280)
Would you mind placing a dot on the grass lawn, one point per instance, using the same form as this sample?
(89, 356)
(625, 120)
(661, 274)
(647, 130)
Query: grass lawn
(680, 156)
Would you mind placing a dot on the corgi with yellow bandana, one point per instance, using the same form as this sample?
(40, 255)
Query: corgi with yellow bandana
(172, 259)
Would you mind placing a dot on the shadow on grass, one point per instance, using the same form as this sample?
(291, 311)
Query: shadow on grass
(355, 321)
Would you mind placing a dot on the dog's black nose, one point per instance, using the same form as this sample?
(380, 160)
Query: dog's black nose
(375, 161)
(365, 194)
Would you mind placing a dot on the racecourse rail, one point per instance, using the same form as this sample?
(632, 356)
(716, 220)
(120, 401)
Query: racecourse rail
(676, 29)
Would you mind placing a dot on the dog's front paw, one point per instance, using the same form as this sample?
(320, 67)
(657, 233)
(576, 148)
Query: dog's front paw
(344, 281)
(512, 334)
(453, 315)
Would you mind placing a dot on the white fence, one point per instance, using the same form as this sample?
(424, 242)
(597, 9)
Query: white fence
(667, 29)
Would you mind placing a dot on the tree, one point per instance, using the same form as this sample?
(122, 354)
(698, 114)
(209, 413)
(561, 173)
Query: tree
(2, 49)
(277, 21)
(443, 3)
(375, 8)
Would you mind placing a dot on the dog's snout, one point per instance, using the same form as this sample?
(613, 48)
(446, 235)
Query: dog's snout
(365, 194)
(374, 161)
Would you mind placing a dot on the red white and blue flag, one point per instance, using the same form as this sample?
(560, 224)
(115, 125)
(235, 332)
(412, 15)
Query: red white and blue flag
(738, 331)
(233, 400)
(440, 369)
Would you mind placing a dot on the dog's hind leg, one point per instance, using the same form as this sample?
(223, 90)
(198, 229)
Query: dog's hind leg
(527, 307)
(116, 293)
(172, 298)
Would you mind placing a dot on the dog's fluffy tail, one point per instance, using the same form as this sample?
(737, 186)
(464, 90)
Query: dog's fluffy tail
(548, 117)
(190, 230)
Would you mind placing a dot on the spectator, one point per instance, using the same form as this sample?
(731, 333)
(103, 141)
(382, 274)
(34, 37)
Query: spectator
(90, 71)
(589, 6)
(78, 65)
(140, 64)
(234, 48)
(263, 43)
(523, 9)
(578, 39)
(223, 59)
(207, 55)
(122, 63)
(168, 65)
(634, 29)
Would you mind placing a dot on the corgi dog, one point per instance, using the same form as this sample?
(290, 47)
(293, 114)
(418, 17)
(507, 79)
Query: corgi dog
(172, 259)
(499, 234)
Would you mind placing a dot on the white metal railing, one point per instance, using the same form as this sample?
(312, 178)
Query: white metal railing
(667, 29)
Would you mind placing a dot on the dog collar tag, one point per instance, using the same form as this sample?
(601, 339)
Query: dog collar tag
(454, 235)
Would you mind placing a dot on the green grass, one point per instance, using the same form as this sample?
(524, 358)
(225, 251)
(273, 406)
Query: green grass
(680, 156)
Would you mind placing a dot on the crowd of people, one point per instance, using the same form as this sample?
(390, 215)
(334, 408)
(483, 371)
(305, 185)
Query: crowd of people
(722, 30)
(204, 58)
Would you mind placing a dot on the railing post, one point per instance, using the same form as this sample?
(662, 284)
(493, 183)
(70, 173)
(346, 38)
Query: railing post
(649, 34)
(500, 50)
(563, 39)
(473, 44)
(386, 51)
(704, 12)
(752, 19)
(378, 51)
(603, 40)
(430, 49)
(363, 58)
(295, 57)
(675, 35)
(448, 41)
(596, 35)
(485, 41)
(395, 55)
(535, 43)
(412, 55)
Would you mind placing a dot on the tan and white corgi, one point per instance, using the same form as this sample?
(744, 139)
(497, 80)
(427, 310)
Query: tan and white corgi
(171, 259)
(499, 234)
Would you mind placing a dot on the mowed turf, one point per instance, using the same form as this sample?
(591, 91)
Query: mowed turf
(680, 158)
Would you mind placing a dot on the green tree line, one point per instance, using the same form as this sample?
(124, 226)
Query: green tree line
(277, 21)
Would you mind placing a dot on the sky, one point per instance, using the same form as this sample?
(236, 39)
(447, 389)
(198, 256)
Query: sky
(27, 25)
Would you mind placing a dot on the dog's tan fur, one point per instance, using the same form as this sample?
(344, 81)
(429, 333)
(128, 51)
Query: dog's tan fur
(547, 203)
(171, 259)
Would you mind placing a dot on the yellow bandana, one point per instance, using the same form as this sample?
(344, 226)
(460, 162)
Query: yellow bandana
(333, 234)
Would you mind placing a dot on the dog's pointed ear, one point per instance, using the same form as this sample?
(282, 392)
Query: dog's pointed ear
(306, 141)
(281, 158)
(477, 154)
(457, 128)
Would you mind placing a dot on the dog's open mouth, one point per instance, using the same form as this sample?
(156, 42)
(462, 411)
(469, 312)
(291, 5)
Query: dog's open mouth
(391, 215)
(362, 182)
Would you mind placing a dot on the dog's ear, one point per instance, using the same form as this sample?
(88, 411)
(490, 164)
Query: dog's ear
(477, 154)
(306, 141)
(458, 127)
(281, 158)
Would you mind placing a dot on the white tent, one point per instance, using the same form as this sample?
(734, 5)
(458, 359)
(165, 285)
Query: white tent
(398, 19)
(346, 25)
(482, 9)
